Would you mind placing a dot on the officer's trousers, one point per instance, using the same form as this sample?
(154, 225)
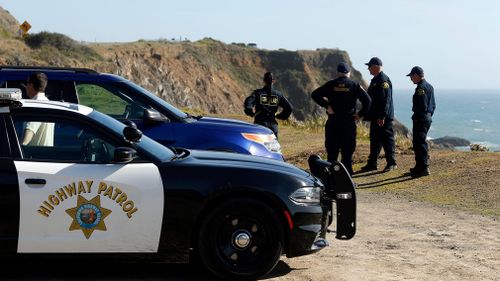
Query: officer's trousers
(420, 147)
(273, 125)
(340, 136)
(382, 136)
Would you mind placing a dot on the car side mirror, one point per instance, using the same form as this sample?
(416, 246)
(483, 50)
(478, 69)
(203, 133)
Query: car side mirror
(132, 134)
(153, 116)
(124, 155)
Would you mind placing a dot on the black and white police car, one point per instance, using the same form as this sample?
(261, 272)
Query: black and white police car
(97, 187)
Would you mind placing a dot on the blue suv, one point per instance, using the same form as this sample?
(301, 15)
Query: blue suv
(124, 100)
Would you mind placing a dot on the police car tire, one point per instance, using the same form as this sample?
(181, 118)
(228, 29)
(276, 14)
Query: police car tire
(217, 246)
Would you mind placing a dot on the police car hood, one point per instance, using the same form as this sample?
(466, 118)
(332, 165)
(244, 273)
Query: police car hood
(231, 125)
(235, 160)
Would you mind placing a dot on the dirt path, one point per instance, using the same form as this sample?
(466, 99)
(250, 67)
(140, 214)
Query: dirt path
(398, 239)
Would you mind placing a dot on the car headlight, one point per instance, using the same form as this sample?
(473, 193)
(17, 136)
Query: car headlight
(267, 140)
(306, 195)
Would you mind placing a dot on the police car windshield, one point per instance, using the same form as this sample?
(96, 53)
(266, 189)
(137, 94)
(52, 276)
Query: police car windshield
(160, 101)
(146, 144)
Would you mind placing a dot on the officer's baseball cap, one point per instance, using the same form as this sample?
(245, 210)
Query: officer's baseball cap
(268, 77)
(374, 61)
(343, 67)
(416, 70)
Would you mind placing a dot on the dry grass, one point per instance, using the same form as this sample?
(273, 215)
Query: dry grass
(459, 179)
(463, 180)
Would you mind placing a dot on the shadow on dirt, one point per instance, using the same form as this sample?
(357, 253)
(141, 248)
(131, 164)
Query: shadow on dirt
(401, 178)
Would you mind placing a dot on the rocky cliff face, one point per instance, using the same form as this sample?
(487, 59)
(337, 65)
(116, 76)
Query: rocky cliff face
(215, 77)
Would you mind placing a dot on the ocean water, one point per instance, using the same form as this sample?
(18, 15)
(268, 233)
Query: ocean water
(470, 114)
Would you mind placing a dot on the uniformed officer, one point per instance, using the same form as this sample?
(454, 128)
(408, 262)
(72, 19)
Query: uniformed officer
(266, 102)
(423, 109)
(339, 97)
(381, 115)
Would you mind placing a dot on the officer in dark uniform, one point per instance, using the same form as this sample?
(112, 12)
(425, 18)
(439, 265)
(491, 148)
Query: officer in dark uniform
(266, 102)
(339, 97)
(381, 115)
(423, 109)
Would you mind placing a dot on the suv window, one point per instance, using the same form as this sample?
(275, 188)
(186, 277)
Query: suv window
(58, 90)
(64, 141)
(110, 100)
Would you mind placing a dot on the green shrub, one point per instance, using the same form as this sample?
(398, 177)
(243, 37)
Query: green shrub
(62, 43)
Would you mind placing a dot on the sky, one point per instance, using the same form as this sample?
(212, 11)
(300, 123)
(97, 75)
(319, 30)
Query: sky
(456, 42)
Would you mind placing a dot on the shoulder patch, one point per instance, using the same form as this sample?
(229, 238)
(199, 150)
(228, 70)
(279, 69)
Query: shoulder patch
(385, 85)
(420, 92)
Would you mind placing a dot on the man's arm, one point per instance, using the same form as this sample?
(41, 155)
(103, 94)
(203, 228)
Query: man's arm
(249, 104)
(365, 100)
(287, 108)
(319, 96)
(420, 102)
(385, 101)
(28, 136)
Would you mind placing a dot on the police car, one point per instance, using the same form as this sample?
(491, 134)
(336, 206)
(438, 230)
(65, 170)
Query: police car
(98, 187)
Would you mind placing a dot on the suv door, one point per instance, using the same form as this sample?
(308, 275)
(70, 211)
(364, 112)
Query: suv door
(73, 198)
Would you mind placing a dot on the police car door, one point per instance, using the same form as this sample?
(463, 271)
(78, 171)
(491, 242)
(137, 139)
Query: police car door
(73, 198)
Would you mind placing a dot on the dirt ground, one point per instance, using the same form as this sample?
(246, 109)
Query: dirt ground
(401, 239)
(442, 227)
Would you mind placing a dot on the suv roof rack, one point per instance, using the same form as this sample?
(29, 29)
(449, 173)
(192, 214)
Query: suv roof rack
(41, 68)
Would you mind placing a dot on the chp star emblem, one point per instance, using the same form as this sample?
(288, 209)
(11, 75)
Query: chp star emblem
(88, 215)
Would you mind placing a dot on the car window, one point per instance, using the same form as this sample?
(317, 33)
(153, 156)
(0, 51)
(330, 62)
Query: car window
(170, 108)
(62, 141)
(109, 100)
(58, 90)
(146, 146)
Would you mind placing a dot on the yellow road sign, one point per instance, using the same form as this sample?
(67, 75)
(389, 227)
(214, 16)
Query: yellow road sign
(25, 27)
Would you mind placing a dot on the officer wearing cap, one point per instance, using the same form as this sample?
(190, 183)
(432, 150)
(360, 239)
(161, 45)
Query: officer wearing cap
(266, 102)
(423, 109)
(381, 115)
(339, 97)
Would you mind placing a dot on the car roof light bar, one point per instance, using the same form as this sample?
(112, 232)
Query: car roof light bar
(10, 97)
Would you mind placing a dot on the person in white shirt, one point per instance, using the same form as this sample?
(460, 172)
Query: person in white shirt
(38, 133)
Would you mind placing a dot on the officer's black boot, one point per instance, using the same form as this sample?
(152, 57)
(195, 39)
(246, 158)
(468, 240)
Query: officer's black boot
(370, 166)
(391, 164)
(420, 172)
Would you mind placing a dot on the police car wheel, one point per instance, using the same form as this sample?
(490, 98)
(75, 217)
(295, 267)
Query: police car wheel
(241, 238)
